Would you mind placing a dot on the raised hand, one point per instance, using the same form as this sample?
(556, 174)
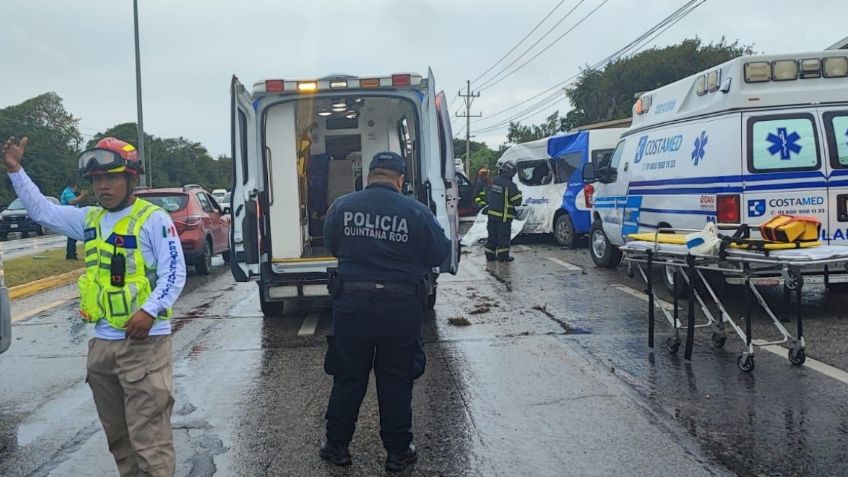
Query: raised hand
(13, 153)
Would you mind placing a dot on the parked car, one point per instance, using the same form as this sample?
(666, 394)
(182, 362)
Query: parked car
(225, 203)
(203, 227)
(16, 219)
(219, 194)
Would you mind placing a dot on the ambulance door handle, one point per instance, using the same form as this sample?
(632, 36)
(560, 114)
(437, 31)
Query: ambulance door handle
(626, 166)
(270, 177)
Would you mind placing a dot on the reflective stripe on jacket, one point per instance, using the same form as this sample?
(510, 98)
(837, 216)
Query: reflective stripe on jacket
(502, 197)
(99, 298)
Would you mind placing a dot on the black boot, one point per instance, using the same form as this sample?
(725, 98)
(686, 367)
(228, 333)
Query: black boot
(505, 258)
(397, 461)
(335, 453)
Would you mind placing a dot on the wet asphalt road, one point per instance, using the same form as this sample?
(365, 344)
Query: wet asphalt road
(15, 245)
(551, 377)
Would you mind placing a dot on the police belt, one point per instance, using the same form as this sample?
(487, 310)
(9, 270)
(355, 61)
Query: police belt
(400, 288)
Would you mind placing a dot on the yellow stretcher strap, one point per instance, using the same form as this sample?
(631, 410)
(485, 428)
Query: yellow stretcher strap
(680, 239)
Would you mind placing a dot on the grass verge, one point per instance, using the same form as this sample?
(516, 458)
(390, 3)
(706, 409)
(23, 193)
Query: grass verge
(20, 270)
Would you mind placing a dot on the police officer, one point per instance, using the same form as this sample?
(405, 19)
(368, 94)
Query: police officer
(501, 197)
(385, 243)
(134, 272)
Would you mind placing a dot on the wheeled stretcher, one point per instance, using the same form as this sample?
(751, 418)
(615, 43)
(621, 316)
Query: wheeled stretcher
(786, 265)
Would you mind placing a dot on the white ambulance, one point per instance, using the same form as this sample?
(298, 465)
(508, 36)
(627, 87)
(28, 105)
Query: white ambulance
(299, 144)
(741, 142)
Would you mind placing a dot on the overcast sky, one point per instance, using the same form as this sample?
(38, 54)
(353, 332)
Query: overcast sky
(83, 49)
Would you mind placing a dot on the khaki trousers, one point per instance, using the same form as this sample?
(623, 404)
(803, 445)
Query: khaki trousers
(131, 381)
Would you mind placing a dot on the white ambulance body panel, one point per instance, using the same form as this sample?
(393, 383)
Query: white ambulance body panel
(733, 144)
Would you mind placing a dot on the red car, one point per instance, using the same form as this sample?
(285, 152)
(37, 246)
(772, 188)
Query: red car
(203, 227)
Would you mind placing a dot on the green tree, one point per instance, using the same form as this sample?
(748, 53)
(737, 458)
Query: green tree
(481, 155)
(606, 95)
(518, 133)
(54, 142)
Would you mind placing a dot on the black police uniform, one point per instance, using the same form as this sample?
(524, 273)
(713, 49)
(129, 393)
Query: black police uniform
(385, 244)
(501, 198)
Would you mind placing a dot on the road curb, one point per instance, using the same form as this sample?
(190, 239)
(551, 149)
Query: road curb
(37, 286)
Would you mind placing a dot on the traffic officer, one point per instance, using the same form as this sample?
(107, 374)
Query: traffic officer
(386, 244)
(501, 197)
(134, 272)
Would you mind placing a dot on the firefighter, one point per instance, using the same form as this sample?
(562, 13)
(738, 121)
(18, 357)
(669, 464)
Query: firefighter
(501, 198)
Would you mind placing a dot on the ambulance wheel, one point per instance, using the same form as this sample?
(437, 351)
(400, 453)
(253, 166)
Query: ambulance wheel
(604, 254)
(431, 300)
(681, 290)
(564, 230)
(270, 309)
(745, 363)
(797, 358)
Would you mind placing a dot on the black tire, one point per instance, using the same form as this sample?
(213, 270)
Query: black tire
(564, 231)
(271, 309)
(431, 300)
(718, 339)
(226, 256)
(746, 364)
(604, 254)
(672, 344)
(203, 265)
(797, 358)
(40, 230)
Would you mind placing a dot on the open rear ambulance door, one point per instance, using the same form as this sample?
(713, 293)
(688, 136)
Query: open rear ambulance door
(451, 185)
(441, 185)
(244, 231)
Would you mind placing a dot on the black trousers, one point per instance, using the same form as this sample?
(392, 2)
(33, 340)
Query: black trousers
(71, 249)
(497, 245)
(381, 331)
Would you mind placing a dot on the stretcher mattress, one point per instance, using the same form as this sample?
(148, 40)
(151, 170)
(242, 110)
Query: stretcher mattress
(680, 239)
(810, 254)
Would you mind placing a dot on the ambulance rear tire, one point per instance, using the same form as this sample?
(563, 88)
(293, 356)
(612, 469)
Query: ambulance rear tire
(431, 300)
(604, 254)
(271, 309)
(564, 230)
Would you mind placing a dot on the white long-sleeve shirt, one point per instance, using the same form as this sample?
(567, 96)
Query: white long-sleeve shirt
(161, 250)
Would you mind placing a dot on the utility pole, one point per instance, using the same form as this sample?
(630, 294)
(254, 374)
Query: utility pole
(468, 98)
(138, 89)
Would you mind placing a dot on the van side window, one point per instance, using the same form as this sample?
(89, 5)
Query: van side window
(566, 165)
(534, 173)
(601, 157)
(616, 157)
(242, 132)
(836, 125)
(782, 143)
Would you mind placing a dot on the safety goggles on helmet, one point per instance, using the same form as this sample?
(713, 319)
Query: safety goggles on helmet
(103, 160)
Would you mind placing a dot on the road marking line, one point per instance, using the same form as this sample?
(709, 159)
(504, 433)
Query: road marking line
(568, 266)
(41, 309)
(811, 363)
(310, 324)
(643, 296)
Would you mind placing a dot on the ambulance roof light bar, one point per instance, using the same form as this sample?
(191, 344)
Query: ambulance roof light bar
(791, 69)
(339, 82)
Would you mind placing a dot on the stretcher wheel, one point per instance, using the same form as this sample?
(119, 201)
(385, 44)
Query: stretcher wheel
(718, 339)
(745, 363)
(672, 344)
(797, 357)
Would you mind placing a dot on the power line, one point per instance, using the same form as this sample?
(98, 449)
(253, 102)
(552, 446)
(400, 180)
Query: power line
(635, 45)
(485, 83)
(520, 41)
(547, 47)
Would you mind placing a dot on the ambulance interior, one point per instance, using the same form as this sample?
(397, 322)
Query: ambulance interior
(319, 148)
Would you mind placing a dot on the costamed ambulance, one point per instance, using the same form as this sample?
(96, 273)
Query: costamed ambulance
(754, 137)
(299, 144)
